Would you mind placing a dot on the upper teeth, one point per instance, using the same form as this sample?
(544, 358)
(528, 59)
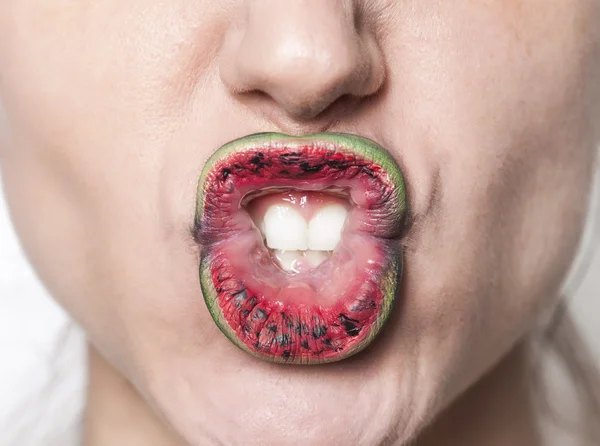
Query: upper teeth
(286, 229)
(325, 228)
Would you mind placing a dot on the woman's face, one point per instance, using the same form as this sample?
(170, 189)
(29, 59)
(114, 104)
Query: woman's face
(491, 108)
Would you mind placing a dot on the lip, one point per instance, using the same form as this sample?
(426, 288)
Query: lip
(255, 305)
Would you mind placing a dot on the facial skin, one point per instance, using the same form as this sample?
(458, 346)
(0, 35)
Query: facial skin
(492, 109)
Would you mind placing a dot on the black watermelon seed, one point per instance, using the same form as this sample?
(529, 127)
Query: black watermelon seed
(319, 331)
(287, 320)
(364, 304)
(259, 315)
(283, 339)
(286, 354)
(290, 159)
(368, 171)
(225, 173)
(239, 298)
(335, 164)
(301, 329)
(304, 344)
(306, 167)
(350, 325)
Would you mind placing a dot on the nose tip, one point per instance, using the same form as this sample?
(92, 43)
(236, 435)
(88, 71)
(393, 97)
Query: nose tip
(303, 55)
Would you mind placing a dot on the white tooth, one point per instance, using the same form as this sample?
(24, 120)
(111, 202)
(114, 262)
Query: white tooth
(288, 259)
(285, 229)
(325, 228)
(315, 258)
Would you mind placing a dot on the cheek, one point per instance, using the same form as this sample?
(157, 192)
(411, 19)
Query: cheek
(513, 139)
(488, 261)
(108, 246)
(93, 93)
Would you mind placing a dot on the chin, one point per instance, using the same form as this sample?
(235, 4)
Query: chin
(245, 401)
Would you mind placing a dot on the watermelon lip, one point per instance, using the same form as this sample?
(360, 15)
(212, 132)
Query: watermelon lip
(250, 300)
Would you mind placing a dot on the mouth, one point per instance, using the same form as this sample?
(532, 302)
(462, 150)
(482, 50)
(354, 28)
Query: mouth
(301, 256)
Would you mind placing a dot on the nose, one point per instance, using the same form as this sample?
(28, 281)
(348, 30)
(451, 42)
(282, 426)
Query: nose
(301, 56)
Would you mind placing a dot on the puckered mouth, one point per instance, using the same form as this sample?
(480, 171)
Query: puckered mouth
(300, 243)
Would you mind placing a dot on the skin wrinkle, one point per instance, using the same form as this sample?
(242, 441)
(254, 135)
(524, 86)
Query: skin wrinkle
(490, 108)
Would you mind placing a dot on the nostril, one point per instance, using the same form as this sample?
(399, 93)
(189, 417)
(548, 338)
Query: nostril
(301, 111)
(301, 60)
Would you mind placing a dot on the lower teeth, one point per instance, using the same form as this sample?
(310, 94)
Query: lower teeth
(300, 261)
